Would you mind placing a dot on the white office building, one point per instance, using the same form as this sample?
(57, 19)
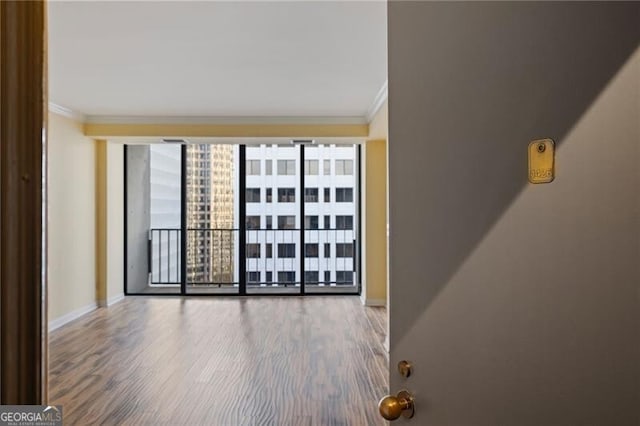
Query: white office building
(273, 208)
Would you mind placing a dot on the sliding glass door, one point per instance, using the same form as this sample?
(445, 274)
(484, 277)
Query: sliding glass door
(273, 220)
(331, 218)
(231, 219)
(153, 205)
(212, 219)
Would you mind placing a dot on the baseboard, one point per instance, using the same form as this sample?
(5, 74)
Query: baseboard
(373, 302)
(115, 299)
(111, 301)
(73, 315)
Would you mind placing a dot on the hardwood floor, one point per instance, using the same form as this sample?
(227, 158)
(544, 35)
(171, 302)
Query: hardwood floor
(213, 361)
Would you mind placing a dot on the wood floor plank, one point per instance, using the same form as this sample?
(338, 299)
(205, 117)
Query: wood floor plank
(211, 361)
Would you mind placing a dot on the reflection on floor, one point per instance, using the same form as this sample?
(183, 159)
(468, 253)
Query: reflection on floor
(233, 361)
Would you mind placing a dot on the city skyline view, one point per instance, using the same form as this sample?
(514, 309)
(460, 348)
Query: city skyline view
(274, 236)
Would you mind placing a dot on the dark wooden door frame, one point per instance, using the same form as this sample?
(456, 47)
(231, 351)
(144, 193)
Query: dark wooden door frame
(23, 113)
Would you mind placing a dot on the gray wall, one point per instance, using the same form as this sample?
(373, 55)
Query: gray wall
(518, 303)
(138, 216)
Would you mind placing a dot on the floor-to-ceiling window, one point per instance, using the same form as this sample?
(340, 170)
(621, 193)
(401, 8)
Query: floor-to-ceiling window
(153, 203)
(331, 218)
(235, 219)
(273, 231)
(212, 218)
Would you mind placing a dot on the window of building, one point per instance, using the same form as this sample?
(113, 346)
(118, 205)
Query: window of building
(253, 195)
(311, 222)
(269, 195)
(286, 222)
(269, 167)
(253, 167)
(253, 222)
(269, 276)
(253, 277)
(327, 195)
(311, 195)
(344, 195)
(310, 167)
(253, 250)
(286, 250)
(327, 276)
(286, 195)
(327, 167)
(269, 222)
(327, 250)
(343, 277)
(286, 277)
(311, 250)
(344, 249)
(344, 167)
(269, 250)
(311, 277)
(327, 222)
(344, 222)
(286, 167)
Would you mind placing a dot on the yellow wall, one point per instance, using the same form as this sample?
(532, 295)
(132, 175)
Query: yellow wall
(101, 220)
(107, 130)
(110, 222)
(375, 211)
(71, 218)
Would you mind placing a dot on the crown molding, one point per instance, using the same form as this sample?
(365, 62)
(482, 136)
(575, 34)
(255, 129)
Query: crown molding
(66, 112)
(225, 120)
(378, 101)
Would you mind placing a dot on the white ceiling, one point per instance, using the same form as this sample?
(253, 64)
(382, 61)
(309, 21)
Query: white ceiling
(303, 58)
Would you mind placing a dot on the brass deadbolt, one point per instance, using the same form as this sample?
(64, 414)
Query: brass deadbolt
(404, 368)
(392, 407)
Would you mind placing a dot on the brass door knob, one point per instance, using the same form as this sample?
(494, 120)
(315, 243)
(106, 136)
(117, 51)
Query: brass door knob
(392, 407)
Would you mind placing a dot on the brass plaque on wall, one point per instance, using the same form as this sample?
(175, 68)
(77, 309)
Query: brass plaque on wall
(542, 161)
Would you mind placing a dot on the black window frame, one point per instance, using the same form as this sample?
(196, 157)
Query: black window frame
(254, 222)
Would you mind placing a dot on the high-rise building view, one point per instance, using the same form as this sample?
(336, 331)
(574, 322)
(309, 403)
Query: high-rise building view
(301, 217)
(274, 196)
(210, 176)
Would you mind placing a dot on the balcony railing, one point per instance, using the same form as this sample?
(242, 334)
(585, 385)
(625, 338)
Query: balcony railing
(273, 257)
(165, 255)
(212, 256)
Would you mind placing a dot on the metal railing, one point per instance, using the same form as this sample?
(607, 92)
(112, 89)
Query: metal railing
(165, 256)
(273, 257)
(212, 256)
